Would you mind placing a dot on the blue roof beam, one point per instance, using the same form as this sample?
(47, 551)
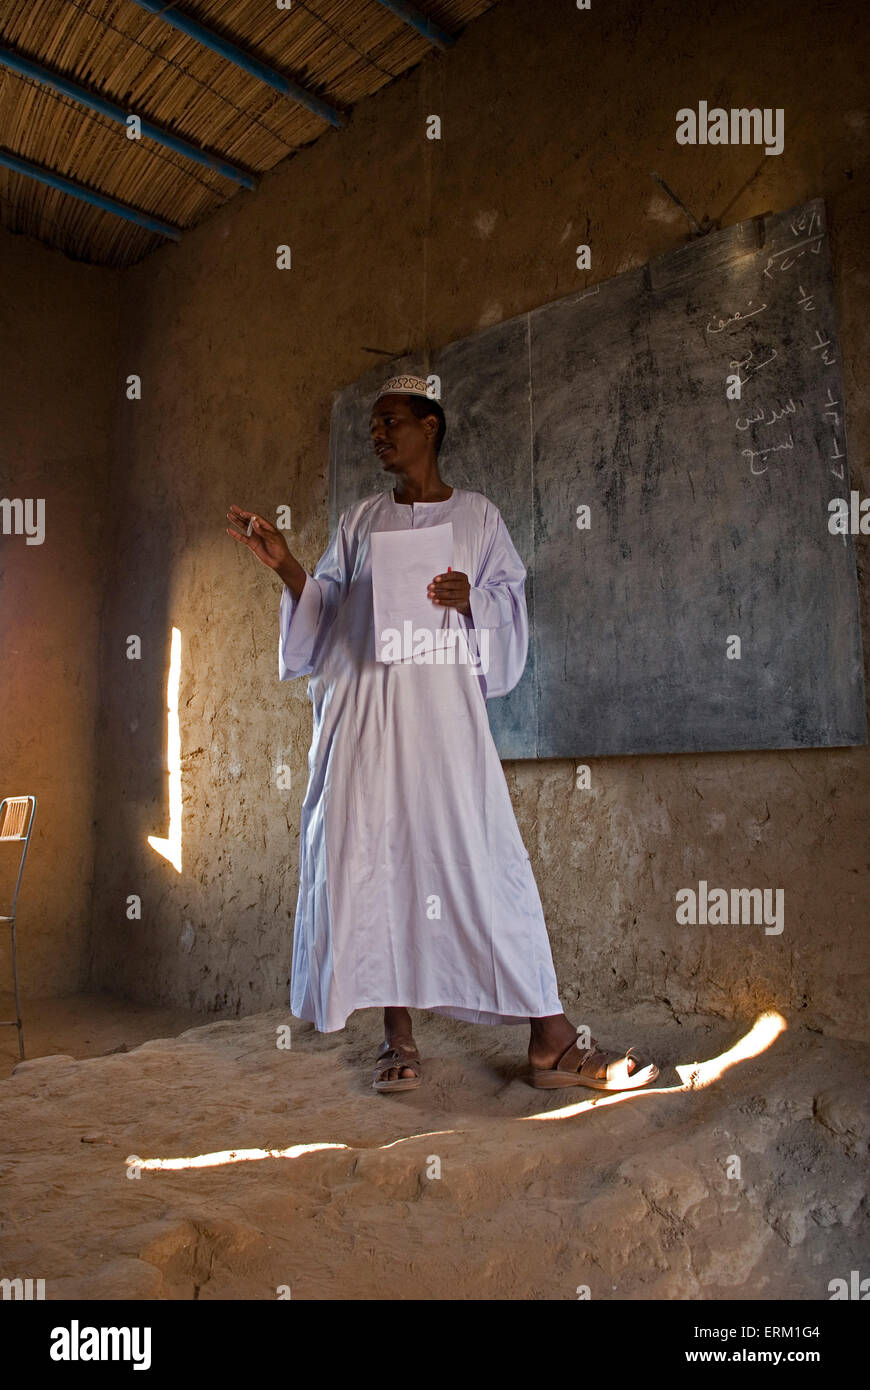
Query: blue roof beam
(87, 195)
(409, 14)
(246, 61)
(27, 68)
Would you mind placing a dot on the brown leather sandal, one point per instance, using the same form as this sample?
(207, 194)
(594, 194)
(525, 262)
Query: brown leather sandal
(577, 1067)
(399, 1057)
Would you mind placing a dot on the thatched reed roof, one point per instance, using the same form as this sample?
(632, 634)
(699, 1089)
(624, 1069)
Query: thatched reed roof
(339, 50)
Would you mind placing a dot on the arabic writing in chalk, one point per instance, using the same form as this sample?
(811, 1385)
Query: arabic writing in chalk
(785, 259)
(805, 300)
(723, 323)
(762, 453)
(751, 366)
(822, 346)
(807, 222)
(775, 415)
(831, 414)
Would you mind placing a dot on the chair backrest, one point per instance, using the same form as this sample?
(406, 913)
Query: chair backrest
(14, 818)
(16, 823)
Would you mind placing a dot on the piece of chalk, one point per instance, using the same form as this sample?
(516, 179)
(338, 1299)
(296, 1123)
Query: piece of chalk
(250, 527)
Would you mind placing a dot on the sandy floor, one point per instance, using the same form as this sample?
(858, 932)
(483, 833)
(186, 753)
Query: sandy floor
(86, 1025)
(535, 1199)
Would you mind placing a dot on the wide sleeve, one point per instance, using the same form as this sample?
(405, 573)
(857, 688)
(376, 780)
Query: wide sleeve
(500, 635)
(304, 623)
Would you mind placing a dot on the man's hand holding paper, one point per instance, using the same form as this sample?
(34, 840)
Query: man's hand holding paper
(452, 590)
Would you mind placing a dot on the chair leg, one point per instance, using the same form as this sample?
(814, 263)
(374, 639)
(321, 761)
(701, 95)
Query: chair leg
(18, 1018)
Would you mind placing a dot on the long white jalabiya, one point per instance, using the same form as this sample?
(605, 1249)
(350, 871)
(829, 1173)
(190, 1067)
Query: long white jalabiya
(415, 887)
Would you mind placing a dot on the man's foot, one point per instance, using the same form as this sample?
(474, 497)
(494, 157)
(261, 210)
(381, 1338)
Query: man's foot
(391, 1074)
(398, 1035)
(552, 1037)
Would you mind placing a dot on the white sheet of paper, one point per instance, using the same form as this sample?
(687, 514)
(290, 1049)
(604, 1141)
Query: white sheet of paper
(404, 563)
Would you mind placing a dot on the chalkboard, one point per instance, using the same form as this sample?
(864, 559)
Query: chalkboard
(706, 606)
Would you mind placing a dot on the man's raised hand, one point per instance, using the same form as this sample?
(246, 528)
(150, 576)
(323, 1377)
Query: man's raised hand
(265, 540)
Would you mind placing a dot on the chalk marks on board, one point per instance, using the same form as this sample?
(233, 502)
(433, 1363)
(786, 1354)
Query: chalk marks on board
(597, 425)
(776, 414)
(722, 324)
(824, 346)
(763, 453)
(831, 414)
(749, 366)
(785, 259)
(807, 222)
(807, 235)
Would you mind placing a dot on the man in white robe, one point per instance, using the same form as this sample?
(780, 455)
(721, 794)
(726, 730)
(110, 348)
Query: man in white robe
(415, 888)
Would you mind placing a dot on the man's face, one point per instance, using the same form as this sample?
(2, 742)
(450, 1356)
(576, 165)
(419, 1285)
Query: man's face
(398, 438)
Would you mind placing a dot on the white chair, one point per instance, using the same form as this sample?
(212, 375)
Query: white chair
(16, 823)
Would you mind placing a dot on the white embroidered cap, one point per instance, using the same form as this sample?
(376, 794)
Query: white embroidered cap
(405, 386)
